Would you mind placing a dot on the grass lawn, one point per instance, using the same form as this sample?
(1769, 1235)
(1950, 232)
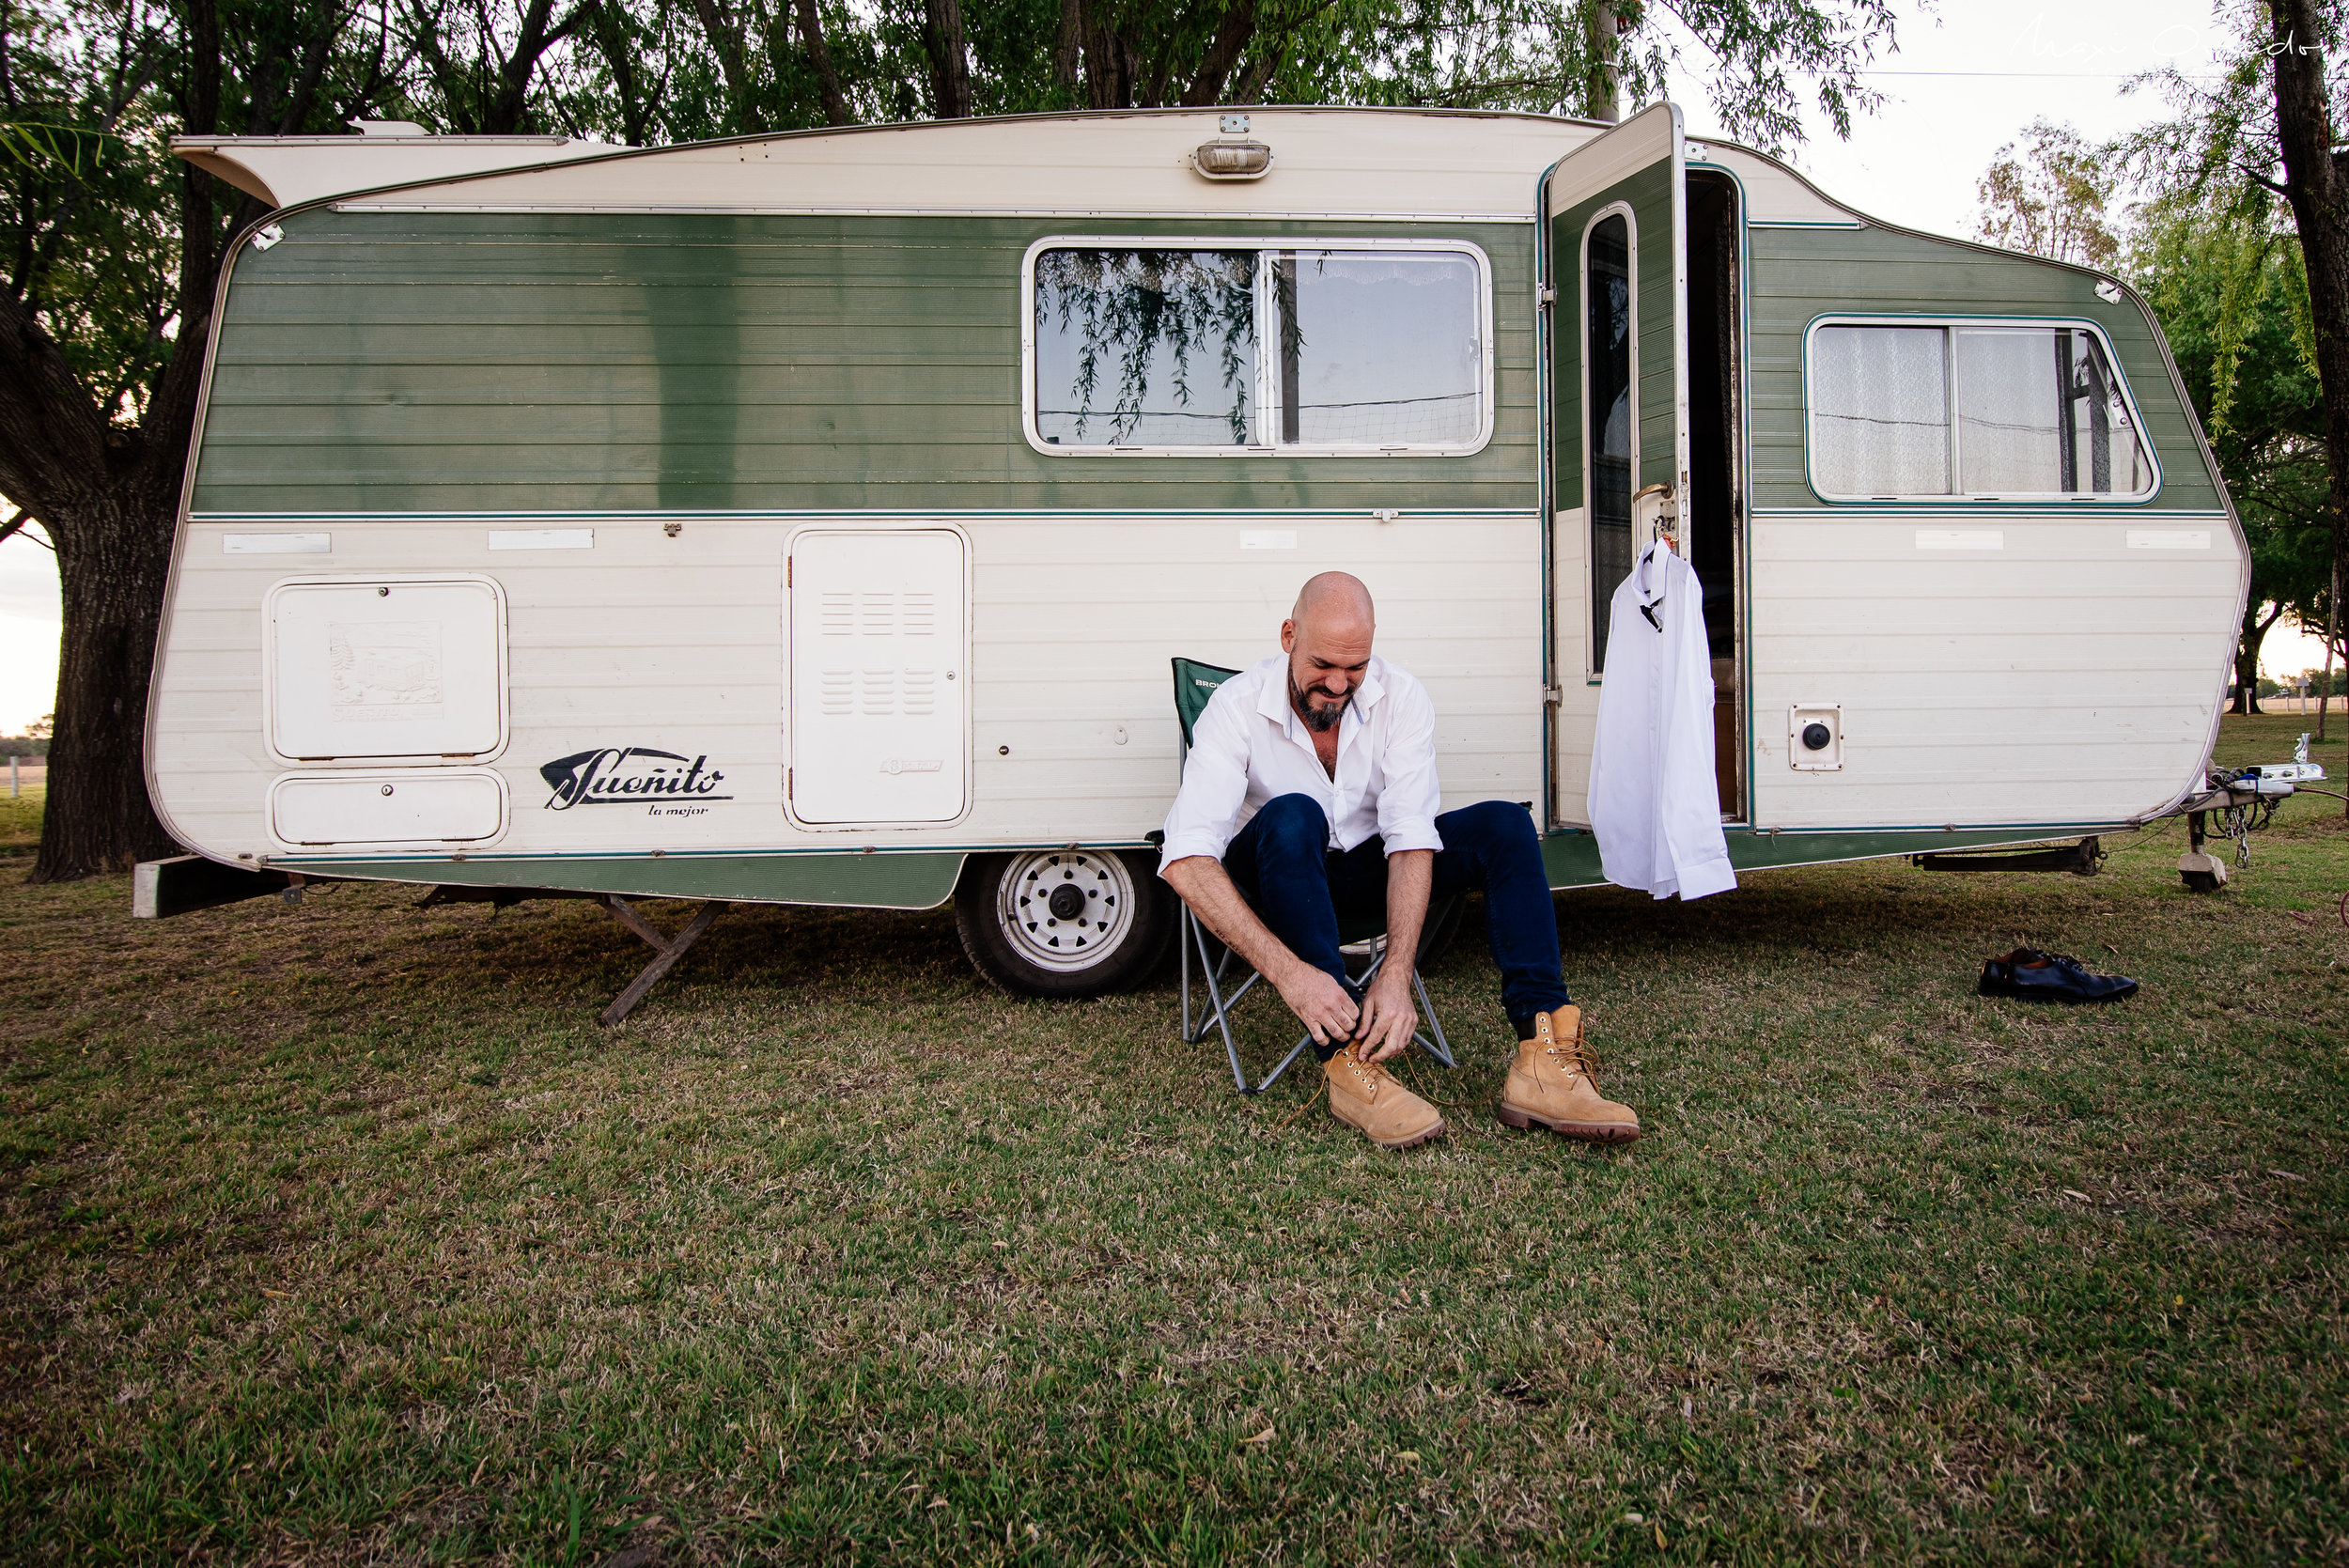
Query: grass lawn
(20, 823)
(340, 1233)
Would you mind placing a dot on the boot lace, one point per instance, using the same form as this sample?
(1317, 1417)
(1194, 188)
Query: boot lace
(1575, 1056)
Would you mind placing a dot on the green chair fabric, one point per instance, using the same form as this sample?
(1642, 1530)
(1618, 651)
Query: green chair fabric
(1194, 683)
(1365, 939)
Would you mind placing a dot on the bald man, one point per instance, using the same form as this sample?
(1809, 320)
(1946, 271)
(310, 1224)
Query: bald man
(1311, 792)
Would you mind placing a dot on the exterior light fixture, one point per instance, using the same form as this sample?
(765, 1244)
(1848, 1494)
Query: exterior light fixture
(1232, 159)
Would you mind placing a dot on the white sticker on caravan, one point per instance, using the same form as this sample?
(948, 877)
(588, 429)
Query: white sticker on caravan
(1960, 539)
(1267, 539)
(2168, 539)
(542, 538)
(274, 544)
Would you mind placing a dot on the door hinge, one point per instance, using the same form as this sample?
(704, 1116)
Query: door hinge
(786, 784)
(1553, 695)
(1548, 295)
(786, 571)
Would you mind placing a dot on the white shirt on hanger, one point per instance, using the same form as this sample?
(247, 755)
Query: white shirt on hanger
(1655, 808)
(1250, 746)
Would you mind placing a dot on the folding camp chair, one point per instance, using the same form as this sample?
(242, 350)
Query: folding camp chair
(1363, 941)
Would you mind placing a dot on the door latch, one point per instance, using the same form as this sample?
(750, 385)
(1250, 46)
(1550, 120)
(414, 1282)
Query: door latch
(1656, 514)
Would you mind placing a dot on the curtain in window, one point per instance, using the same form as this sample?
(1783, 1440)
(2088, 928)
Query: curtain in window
(2040, 413)
(1880, 411)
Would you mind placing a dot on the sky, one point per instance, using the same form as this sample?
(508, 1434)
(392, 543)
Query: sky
(1967, 79)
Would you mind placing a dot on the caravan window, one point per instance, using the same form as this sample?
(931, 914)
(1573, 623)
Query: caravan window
(1137, 347)
(1337, 349)
(2006, 411)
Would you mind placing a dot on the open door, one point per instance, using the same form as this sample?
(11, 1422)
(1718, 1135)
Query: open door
(1618, 334)
(1617, 289)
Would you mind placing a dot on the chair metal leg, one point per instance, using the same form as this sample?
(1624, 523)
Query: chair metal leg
(1440, 1048)
(1218, 1008)
(1295, 1051)
(1215, 1009)
(1182, 945)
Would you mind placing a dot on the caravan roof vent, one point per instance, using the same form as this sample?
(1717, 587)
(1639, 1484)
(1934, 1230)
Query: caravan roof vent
(1232, 159)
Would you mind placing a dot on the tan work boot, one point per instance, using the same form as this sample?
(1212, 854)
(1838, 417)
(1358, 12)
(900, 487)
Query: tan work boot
(1369, 1099)
(1553, 1083)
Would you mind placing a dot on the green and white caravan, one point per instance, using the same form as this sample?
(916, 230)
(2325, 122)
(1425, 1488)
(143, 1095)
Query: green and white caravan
(812, 518)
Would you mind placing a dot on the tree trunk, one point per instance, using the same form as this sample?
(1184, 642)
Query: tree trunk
(726, 41)
(2332, 634)
(827, 76)
(1069, 48)
(2316, 183)
(950, 58)
(111, 560)
(2247, 658)
(1231, 37)
(1601, 90)
(2333, 626)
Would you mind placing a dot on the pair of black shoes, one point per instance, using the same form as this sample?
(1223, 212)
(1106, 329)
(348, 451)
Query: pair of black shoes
(2038, 977)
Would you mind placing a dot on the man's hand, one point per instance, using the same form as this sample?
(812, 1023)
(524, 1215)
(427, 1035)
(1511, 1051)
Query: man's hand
(1389, 1016)
(1319, 1002)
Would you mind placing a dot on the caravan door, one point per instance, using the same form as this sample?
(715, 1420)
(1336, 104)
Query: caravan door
(1616, 273)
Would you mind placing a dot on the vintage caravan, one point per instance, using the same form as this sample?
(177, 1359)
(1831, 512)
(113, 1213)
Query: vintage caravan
(812, 518)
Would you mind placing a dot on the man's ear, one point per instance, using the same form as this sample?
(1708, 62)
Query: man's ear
(1288, 636)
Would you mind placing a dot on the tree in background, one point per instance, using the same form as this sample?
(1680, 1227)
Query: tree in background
(114, 248)
(2232, 303)
(113, 253)
(2050, 197)
(2228, 288)
(671, 70)
(2265, 139)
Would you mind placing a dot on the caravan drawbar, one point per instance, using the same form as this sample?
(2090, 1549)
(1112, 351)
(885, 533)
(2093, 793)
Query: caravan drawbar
(812, 518)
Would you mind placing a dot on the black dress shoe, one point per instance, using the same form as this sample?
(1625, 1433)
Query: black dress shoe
(2038, 977)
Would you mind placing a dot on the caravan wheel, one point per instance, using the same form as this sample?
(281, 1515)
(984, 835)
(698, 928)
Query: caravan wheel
(1063, 923)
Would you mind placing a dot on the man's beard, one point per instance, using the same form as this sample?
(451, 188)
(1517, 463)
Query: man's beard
(1319, 720)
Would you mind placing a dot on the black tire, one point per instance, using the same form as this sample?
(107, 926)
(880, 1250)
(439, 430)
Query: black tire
(1108, 931)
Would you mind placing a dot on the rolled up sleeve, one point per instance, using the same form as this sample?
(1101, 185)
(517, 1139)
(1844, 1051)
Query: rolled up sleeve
(1215, 783)
(1409, 796)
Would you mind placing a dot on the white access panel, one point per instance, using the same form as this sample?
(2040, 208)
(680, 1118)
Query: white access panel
(879, 680)
(385, 668)
(411, 806)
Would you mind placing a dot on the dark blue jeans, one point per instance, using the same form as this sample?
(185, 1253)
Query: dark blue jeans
(1283, 864)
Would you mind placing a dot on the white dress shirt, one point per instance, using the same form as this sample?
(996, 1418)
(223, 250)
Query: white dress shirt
(1655, 807)
(1250, 747)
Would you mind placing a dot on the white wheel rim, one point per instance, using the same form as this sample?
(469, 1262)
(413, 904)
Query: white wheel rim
(1065, 910)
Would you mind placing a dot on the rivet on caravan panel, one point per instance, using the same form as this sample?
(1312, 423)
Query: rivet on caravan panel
(383, 593)
(387, 789)
(672, 529)
(1003, 751)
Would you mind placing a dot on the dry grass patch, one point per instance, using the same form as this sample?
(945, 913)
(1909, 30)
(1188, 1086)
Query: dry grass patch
(339, 1232)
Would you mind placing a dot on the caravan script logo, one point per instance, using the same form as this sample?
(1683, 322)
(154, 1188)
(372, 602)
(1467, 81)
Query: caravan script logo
(665, 784)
